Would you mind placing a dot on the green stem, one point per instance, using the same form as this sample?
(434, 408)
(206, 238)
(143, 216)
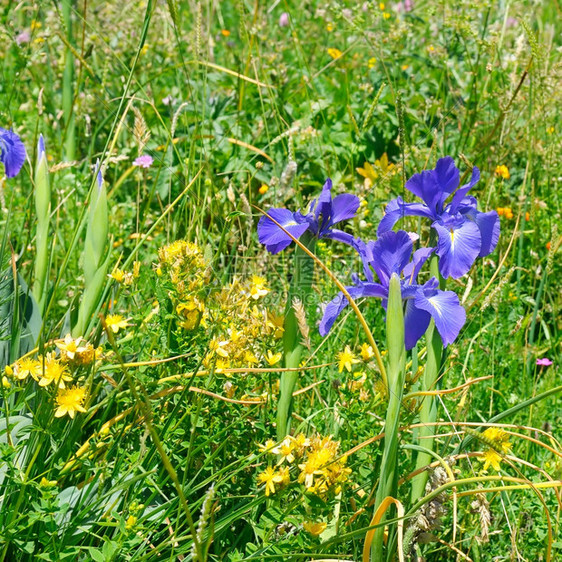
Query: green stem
(388, 483)
(428, 410)
(301, 287)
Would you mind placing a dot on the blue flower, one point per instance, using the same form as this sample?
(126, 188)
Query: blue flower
(463, 232)
(389, 255)
(324, 213)
(12, 152)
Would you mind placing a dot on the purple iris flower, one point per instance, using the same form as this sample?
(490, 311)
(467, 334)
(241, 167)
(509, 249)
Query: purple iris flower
(463, 232)
(12, 152)
(323, 214)
(389, 255)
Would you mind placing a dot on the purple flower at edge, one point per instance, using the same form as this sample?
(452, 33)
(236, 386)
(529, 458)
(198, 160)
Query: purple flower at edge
(463, 232)
(12, 152)
(544, 362)
(391, 254)
(324, 213)
(144, 161)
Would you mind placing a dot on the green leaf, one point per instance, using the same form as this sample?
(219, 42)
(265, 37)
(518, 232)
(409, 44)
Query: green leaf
(20, 318)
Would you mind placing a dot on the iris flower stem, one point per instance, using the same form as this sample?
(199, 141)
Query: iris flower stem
(388, 483)
(301, 286)
(428, 411)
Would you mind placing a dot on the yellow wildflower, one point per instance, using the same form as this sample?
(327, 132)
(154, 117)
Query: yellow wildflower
(346, 359)
(273, 358)
(269, 447)
(44, 483)
(334, 53)
(218, 347)
(286, 450)
(301, 443)
(77, 349)
(250, 358)
(314, 529)
(330, 27)
(131, 522)
(225, 33)
(369, 173)
(191, 310)
(276, 323)
(499, 440)
(285, 475)
(270, 477)
(493, 458)
(70, 401)
(502, 172)
(372, 62)
(258, 288)
(263, 189)
(118, 275)
(24, 367)
(53, 371)
(367, 352)
(116, 322)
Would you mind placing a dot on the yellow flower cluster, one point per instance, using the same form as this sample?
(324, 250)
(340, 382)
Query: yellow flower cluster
(244, 333)
(334, 53)
(502, 172)
(245, 328)
(50, 371)
(185, 266)
(320, 469)
(505, 212)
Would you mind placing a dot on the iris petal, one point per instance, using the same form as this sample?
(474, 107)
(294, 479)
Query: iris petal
(461, 192)
(340, 236)
(335, 307)
(416, 322)
(412, 269)
(434, 186)
(344, 206)
(12, 152)
(272, 236)
(445, 309)
(397, 209)
(489, 225)
(391, 252)
(323, 205)
(457, 248)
